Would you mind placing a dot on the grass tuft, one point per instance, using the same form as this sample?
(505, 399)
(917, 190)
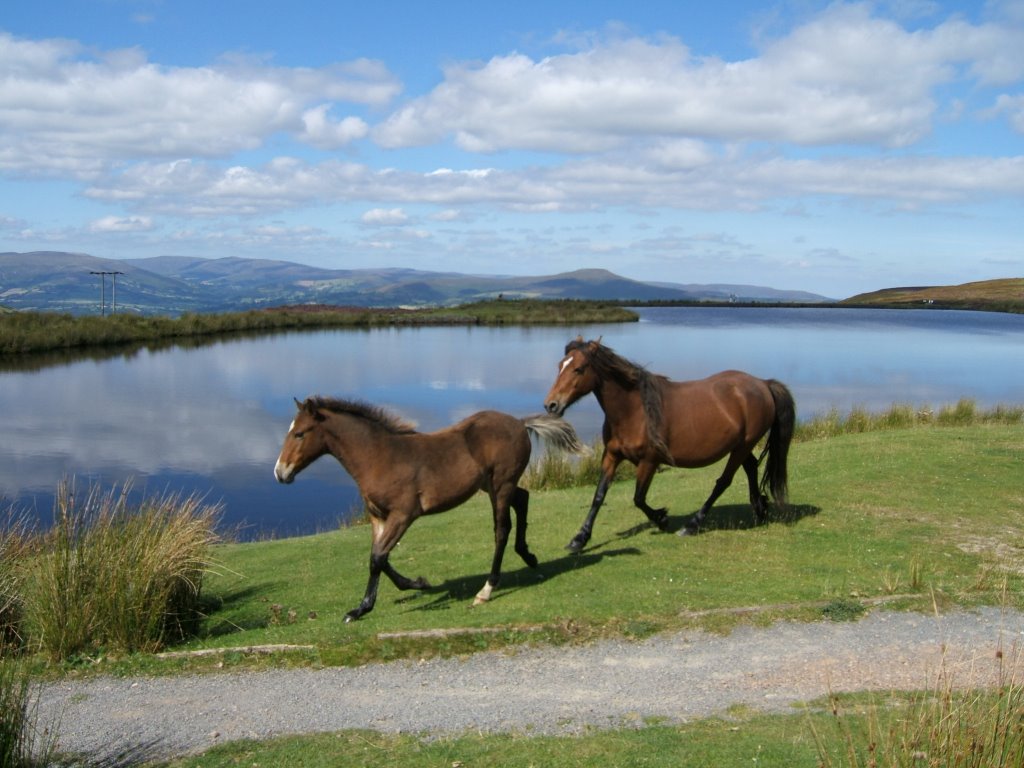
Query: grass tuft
(116, 578)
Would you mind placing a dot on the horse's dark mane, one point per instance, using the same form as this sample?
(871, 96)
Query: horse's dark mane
(362, 410)
(629, 375)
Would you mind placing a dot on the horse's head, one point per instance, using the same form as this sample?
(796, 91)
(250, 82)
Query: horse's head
(576, 377)
(303, 444)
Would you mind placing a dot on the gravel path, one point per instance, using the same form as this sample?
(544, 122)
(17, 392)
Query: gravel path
(675, 677)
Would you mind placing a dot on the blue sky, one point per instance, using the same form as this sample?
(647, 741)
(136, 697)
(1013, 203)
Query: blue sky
(827, 147)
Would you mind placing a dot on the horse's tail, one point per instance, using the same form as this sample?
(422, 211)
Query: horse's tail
(556, 432)
(779, 437)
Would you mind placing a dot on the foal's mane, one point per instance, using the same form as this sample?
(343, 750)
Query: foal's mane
(362, 410)
(631, 376)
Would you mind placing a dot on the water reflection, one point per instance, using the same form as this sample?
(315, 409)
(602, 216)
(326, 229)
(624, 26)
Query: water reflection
(210, 418)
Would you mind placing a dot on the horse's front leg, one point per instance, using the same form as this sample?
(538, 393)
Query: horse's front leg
(609, 463)
(386, 534)
(644, 475)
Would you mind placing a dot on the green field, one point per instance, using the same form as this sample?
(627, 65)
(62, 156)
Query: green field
(908, 517)
(935, 514)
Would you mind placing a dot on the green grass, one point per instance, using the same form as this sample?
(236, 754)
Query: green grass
(934, 513)
(930, 514)
(930, 728)
(33, 332)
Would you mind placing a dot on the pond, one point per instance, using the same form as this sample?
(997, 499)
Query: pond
(210, 419)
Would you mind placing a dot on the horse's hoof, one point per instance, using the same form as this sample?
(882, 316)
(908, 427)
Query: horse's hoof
(531, 561)
(351, 616)
(687, 531)
(661, 520)
(576, 545)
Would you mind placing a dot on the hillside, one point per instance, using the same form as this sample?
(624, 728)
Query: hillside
(1006, 295)
(64, 282)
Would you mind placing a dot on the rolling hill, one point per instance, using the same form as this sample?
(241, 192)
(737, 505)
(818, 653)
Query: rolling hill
(1005, 295)
(64, 282)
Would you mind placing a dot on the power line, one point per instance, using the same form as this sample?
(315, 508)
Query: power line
(103, 290)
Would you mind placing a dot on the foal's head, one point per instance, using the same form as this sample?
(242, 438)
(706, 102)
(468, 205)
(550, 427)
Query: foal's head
(304, 442)
(307, 440)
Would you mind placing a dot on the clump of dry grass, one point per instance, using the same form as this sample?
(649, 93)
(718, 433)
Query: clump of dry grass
(14, 544)
(943, 726)
(114, 577)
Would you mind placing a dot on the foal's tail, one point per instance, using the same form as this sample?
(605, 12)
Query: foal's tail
(556, 432)
(779, 437)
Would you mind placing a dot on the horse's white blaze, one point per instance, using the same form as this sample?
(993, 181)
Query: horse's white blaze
(565, 364)
(484, 594)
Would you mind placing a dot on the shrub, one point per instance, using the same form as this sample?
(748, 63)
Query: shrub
(117, 578)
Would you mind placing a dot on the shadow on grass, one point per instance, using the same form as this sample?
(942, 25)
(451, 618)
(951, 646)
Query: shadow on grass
(728, 517)
(212, 605)
(459, 591)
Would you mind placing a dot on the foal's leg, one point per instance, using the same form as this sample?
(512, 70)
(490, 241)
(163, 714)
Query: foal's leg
(502, 528)
(386, 534)
(644, 475)
(721, 484)
(758, 501)
(609, 463)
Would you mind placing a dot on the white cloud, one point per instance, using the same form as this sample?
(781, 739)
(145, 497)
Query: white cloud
(844, 77)
(380, 217)
(122, 224)
(64, 112)
(322, 132)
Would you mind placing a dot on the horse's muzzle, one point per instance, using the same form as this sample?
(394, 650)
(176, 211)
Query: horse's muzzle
(283, 473)
(554, 408)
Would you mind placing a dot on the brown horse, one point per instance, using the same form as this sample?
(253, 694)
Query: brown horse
(403, 474)
(651, 420)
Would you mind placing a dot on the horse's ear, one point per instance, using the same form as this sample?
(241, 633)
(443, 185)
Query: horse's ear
(297, 403)
(579, 338)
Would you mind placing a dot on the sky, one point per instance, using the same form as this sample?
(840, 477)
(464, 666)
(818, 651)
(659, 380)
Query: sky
(833, 148)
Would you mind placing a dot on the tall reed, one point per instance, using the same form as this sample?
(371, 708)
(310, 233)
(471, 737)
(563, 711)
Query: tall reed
(22, 743)
(942, 726)
(119, 578)
(14, 545)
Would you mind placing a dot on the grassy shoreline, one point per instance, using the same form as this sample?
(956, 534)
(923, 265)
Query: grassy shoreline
(27, 333)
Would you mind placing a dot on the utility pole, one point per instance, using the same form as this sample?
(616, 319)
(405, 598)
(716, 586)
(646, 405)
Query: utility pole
(103, 290)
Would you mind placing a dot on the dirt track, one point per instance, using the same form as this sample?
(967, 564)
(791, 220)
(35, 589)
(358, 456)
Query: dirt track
(674, 678)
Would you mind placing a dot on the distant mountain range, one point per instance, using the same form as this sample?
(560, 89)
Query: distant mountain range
(68, 282)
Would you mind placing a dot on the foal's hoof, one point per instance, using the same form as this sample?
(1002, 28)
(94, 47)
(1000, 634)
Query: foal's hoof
(688, 530)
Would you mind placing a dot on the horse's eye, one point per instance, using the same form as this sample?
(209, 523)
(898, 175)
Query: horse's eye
(581, 369)
(298, 435)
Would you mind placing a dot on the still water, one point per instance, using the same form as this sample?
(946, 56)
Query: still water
(210, 420)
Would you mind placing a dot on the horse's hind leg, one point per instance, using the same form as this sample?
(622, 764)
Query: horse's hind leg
(723, 482)
(521, 504)
(758, 501)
